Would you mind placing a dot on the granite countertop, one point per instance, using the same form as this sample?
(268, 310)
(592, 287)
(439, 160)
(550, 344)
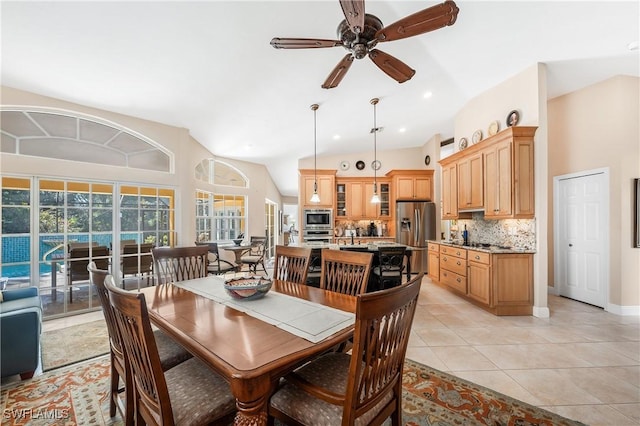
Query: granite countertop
(497, 249)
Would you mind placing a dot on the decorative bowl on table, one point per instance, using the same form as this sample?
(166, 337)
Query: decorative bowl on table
(237, 241)
(247, 288)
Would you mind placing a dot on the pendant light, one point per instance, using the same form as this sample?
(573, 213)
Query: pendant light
(375, 199)
(315, 198)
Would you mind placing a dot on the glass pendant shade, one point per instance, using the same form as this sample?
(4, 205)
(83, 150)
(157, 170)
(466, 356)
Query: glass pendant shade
(315, 198)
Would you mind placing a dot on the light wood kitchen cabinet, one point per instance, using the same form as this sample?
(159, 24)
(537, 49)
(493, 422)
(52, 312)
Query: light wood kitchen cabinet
(453, 268)
(471, 182)
(495, 175)
(479, 276)
(412, 184)
(354, 199)
(501, 283)
(326, 187)
(433, 258)
(509, 179)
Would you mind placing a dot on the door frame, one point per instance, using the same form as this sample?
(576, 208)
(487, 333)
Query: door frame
(605, 172)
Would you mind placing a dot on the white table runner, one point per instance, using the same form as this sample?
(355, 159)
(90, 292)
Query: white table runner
(311, 321)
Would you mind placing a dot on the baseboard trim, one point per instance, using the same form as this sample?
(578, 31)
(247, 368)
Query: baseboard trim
(623, 310)
(541, 312)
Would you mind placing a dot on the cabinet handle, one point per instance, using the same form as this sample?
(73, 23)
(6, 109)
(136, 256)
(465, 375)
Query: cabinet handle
(458, 263)
(459, 280)
(477, 257)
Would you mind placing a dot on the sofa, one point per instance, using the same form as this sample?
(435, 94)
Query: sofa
(20, 327)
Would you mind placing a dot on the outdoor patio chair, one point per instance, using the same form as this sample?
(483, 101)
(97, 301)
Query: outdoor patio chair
(255, 256)
(364, 387)
(130, 255)
(187, 394)
(217, 265)
(169, 351)
(80, 255)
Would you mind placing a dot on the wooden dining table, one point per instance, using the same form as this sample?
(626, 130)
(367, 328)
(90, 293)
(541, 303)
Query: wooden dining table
(251, 354)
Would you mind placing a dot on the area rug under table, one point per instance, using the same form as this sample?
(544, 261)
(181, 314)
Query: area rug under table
(78, 395)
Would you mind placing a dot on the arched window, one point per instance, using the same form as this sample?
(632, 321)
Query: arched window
(220, 173)
(68, 135)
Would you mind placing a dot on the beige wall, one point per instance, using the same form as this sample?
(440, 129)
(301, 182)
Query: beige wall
(525, 92)
(593, 128)
(187, 154)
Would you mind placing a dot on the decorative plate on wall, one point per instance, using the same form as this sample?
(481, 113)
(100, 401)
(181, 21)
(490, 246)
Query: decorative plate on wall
(344, 165)
(493, 128)
(427, 160)
(360, 165)
(463, 143)
(375, 165)
(477, 136)
(513, 118)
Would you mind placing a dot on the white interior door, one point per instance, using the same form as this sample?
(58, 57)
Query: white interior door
(581, 243)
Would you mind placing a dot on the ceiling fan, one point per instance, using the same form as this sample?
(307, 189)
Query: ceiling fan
(360, 32)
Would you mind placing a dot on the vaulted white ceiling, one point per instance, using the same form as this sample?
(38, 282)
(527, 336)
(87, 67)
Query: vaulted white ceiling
(208, 66)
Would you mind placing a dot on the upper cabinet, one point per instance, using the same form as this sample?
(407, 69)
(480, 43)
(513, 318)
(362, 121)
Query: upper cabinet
(326, 187)
(353, 199)
(412, 184)
(494, 175)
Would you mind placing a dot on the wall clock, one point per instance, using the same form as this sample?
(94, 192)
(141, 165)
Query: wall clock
(344, 165)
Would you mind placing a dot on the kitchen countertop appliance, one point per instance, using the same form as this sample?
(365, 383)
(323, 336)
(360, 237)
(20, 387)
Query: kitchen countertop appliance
(415, 225)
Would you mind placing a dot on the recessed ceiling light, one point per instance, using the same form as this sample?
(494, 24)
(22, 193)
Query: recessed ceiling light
(336, 137)
(427, 95)
(633, 45)
(402, 130)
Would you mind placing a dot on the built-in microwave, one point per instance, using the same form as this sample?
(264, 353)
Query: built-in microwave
(317, 219)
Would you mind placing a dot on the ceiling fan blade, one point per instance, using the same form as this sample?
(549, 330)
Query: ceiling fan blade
(426, 20)
(393, 67)
(302, 43)
(354, 14)
(338, 72)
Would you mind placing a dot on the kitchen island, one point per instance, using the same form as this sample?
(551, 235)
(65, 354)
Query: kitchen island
(499, 279)
(371, 247)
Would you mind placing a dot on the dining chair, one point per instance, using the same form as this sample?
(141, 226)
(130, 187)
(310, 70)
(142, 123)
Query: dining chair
(170, 352)
(188, 394)
(173, 264)
(255, 255)
(80, 254)
(292, 264)
(390, 267)
(345, 271)
(130, 254)
(363, 388)
(216, 264)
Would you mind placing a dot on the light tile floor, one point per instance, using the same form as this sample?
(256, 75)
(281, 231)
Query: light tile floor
(582, 362)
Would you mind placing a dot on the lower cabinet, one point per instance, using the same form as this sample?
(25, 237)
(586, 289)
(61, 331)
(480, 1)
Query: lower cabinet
(501, 283)
(433, 256)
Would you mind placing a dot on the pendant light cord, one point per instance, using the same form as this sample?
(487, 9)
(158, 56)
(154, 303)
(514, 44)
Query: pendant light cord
(374, 102)
(314, 107)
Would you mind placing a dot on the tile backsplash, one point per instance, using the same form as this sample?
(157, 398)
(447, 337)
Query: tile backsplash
(507, 232)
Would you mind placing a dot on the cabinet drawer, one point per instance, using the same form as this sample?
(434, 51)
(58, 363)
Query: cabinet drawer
(454, 251)
(453, 280)
(453, 264)
(433, 247)
(478, 256)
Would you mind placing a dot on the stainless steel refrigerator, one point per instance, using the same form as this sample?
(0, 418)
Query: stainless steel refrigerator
(415, 225)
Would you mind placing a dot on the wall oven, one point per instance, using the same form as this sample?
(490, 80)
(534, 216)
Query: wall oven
(317, 219)
(318, 235)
